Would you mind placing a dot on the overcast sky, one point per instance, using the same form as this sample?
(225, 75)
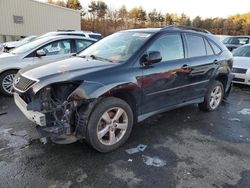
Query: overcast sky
(203, 8)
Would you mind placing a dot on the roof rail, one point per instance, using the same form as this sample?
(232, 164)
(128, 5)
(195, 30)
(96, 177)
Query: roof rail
(180, 27)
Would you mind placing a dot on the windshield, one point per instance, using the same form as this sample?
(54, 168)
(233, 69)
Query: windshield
(118, 47)
(28, 46)
(242, 52)
(236, 40)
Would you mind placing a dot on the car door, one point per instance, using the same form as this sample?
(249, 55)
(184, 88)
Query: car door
(55, 51)
(203, 63)
(164, 82)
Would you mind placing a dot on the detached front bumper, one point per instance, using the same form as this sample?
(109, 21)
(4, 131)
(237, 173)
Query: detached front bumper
(36, 117)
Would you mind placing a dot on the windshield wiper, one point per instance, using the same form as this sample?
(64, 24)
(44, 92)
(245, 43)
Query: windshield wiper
(100, 58)
(95, 57)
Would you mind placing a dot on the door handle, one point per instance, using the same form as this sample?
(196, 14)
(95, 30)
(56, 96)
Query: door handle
(215, 62)
(184, 67)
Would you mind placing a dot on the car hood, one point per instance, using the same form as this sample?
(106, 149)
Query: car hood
(242, 62)
(72, 69)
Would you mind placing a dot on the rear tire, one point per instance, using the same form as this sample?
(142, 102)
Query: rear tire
(213, 97)
(6, 81)
(109, 125)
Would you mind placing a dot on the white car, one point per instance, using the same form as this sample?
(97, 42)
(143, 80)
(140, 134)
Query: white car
(13, 44)
(43, 50)
(241, 67)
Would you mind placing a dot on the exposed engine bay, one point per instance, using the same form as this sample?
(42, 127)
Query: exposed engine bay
(62, 122)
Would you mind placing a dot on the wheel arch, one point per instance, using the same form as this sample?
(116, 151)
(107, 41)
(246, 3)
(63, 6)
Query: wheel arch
(130, 99)
(224, 75)
(94, 91)
(6, 70)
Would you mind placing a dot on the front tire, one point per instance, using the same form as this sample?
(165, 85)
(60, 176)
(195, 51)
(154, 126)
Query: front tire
(6, 81)
(213, 97)
(110, 124)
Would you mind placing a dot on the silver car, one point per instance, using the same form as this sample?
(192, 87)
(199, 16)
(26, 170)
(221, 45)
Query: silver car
(241, 67)
(47, 49)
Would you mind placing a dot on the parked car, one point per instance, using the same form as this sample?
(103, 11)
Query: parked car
(234, 42)
(13, 44)
(46, 49)
(123, 79)
(241, 67)
(87, 34)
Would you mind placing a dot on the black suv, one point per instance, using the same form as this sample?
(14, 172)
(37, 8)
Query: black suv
(123, 79)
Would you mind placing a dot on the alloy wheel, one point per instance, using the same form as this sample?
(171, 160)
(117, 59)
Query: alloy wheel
(7, 83)
(216, 97)
(112, 126)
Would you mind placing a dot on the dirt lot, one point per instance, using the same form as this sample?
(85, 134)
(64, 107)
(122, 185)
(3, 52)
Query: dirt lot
(185, 148)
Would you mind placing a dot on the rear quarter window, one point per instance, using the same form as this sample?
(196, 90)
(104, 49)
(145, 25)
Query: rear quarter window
(215, 47)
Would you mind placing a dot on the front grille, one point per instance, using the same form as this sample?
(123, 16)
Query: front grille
(239, 70)
(22, 83)
(239, 79)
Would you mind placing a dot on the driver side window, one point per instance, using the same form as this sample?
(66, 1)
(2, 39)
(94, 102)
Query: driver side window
(60, 47)
(170, 46)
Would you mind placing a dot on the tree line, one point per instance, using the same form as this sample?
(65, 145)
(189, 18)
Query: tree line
(103, 19)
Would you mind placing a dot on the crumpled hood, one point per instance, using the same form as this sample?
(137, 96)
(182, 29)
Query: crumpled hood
(13, 44)
(74, 68)
(242, 62)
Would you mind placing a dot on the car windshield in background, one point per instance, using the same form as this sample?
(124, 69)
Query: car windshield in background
(118, 47)
(242, 52)
(236, 40)
(28, 46)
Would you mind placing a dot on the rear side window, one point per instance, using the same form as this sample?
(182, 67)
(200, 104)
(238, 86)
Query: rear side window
(170, 46)
(216, 49)
(196, 46)
(209, 48)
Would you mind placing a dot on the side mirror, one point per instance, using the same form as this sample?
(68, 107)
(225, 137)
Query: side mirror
(40, 53)
(151, 58)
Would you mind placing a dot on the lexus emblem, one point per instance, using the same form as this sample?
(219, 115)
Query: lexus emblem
(17, 80)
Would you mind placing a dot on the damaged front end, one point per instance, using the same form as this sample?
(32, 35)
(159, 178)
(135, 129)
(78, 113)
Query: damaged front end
(55, 110)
